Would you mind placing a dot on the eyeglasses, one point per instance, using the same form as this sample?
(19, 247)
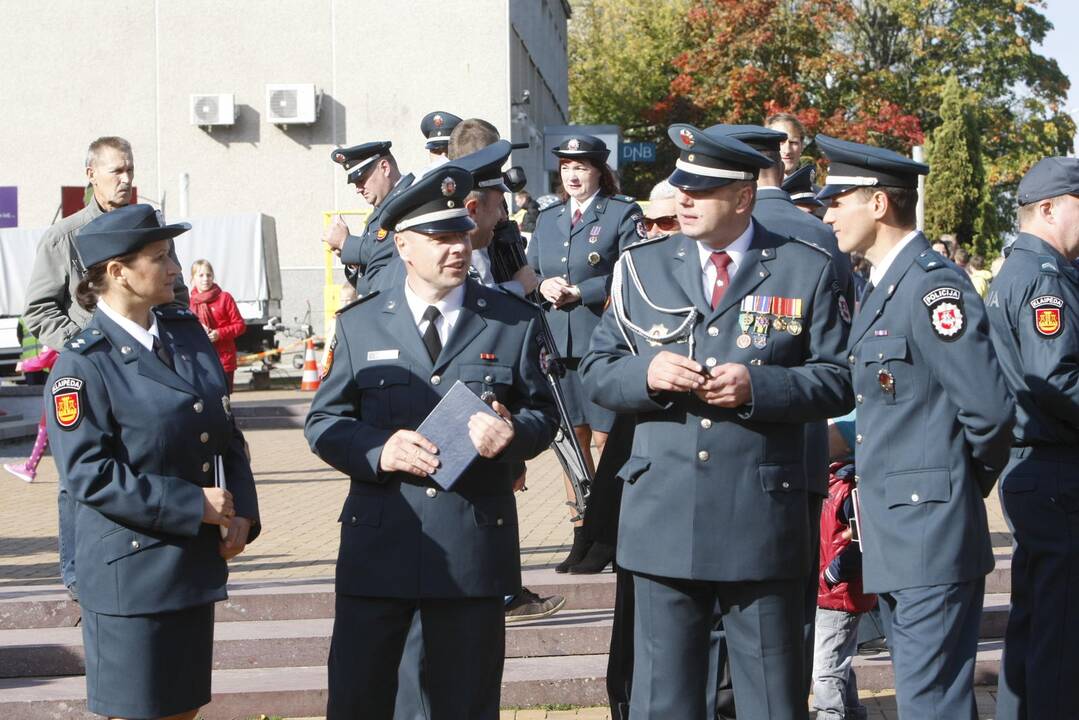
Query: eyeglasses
(665, 223)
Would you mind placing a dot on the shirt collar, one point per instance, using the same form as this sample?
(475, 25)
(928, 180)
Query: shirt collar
(449, 306)
(736, 249)
(140, 334)
(582, 206)
(876, 274)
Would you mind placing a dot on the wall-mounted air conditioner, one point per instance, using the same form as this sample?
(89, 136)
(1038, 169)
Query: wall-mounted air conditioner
(213, 109)
(292, 104)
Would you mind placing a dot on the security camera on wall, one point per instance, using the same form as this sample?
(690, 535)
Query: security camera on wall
(212, 110)
(292, 103)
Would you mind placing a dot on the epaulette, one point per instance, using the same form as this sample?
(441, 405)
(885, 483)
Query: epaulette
(83, 341)
(358, 301)
(623, 198)
(1047, 265)
(175, 312)
(810, 243)
(646, 241)
(517, 297)
(552, 206)
(931, 260)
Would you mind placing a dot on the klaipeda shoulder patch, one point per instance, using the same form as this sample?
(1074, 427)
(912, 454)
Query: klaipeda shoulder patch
(1048, 315)
(945, 305)
(67, 402)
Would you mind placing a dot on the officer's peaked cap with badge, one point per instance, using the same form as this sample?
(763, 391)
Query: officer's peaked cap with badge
(711, 159)
(1049, 178)
(436, 127)
(122, 231)
(852, 165)
(577, 147)
(486, 166)
(358, 158)
(799, 185)
(434, 204)
(757, 137)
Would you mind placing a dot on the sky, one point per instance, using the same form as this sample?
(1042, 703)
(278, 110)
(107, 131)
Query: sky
(1060, 44)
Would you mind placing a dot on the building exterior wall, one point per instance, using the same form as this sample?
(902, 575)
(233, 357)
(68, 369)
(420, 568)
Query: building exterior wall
(76, 70)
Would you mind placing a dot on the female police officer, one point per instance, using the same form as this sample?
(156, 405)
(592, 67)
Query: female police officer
(573, 250)
(144, 441)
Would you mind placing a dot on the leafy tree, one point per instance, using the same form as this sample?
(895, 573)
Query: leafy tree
(953, 189)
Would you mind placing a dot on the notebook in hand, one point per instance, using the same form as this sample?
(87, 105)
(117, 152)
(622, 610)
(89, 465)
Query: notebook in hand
(447, 427)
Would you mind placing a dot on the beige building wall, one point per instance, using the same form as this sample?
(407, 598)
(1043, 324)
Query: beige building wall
(78, 69)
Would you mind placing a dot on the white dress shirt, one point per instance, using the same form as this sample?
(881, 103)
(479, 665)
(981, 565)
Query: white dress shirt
(574, 206)
(737, 250)
(142, 336)
(449, 306)
(876, 273)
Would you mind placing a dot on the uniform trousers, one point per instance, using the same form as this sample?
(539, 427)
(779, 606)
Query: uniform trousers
(412, 700)
(673, 621)
(1039, 675)
(934, 641)
(464, 642)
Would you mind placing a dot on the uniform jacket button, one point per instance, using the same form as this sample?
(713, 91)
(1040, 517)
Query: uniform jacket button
(710, 362)
(703, 456)
(859, 398)
(706, 423)
(563, 259)
(786, 485)
(499, 522)
(431, 492)
(713, 331)
(205, 437)
(858, 438)
(488, 379)
(850, 359)
(435, 380)
(197, 407)
(206, 467)
(352, 519)
(135, 544)
(914, 497)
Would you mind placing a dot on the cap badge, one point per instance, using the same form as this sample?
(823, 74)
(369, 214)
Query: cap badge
(573, 144)
(449, 186)
(339, 157)
(381, 234)
(687, 137)
(437, 120)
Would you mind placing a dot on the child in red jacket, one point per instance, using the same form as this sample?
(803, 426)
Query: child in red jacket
(217, 312)
(840, 600)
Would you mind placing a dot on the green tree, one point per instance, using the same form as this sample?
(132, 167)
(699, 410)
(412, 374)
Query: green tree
(953, 189)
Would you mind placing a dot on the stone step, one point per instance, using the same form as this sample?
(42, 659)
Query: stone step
(15, 427)
(301, 691)
(277, 415)
(296, 643)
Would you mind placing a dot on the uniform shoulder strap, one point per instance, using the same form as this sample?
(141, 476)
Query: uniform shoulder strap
(931, 260)
(84, 340)
(357, 301)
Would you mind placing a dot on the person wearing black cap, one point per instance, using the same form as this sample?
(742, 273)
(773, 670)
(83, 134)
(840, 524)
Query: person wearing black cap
(436, 127)
(373, 170)
(159, 514)
(407, 544)
(573, 250)
(724, 340)
(1033, 305)
(799, 185)
(933, 429)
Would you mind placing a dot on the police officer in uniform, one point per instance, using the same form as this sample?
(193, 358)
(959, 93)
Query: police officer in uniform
(1032, 305)
(150, 505)
(933, 429)
(724, 340)
(573, 251)
(436, 127)
(373, 170)
(799, 185)
(407, 545)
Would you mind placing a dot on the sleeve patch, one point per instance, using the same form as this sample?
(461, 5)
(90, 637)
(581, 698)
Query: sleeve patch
(945, 305)
(328, 362)
(844, 309)
(1048, 315)
(67, 402)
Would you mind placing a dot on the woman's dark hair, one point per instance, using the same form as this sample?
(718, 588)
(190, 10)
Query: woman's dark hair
(93, 282)
(608, 183)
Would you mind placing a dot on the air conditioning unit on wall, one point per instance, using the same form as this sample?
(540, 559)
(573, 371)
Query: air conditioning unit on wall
(292, 104)
(214, 109)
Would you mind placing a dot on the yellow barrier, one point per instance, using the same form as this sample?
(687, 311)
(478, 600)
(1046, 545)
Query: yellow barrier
(331, 291)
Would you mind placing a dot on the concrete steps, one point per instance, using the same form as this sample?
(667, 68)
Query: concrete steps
(271, 415)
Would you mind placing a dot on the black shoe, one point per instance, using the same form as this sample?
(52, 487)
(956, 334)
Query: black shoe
(527, 605)
(576, 553)
(598, 558)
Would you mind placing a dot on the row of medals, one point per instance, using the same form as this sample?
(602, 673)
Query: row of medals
(760, 323)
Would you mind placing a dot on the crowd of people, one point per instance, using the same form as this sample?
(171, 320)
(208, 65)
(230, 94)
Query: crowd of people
(779, 440)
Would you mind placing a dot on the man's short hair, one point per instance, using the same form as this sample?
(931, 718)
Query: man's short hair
(108, 141)
(663, 190)
(786, 118)
(903, 201)
(471, 135)
(961, 256)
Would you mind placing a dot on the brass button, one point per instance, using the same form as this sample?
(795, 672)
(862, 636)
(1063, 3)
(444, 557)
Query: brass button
(206, 467)
(706, 423)
(431, 492)
(436, 379)
(205, 437)
(197, 407)
(703, 456)
(713, 331)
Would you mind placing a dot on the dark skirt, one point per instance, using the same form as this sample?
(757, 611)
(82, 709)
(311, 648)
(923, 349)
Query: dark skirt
(581, 409)
(148, 666)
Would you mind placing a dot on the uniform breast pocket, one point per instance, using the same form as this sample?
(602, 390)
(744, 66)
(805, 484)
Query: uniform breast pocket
(887, 370)
(489, 378)
(362, 509)
(385, 398)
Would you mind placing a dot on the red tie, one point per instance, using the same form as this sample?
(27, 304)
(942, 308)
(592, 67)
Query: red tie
(576, 218)
(721, 260)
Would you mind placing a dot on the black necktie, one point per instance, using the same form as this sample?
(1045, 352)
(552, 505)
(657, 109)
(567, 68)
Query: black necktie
(162, 353)
(431, 340)
(865, 293)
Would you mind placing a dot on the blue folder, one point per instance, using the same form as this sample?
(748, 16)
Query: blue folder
(447, 427)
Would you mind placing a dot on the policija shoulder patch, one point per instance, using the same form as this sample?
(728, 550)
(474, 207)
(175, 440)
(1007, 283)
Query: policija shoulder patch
(945, 306)
(66, 402)
(1048, 315)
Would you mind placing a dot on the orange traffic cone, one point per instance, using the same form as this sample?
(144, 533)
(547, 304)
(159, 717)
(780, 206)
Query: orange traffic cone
(310, 380)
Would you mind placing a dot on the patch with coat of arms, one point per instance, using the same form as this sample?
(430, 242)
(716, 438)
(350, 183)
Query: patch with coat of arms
(1048, 315)
(67, 402)
(945, 306)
